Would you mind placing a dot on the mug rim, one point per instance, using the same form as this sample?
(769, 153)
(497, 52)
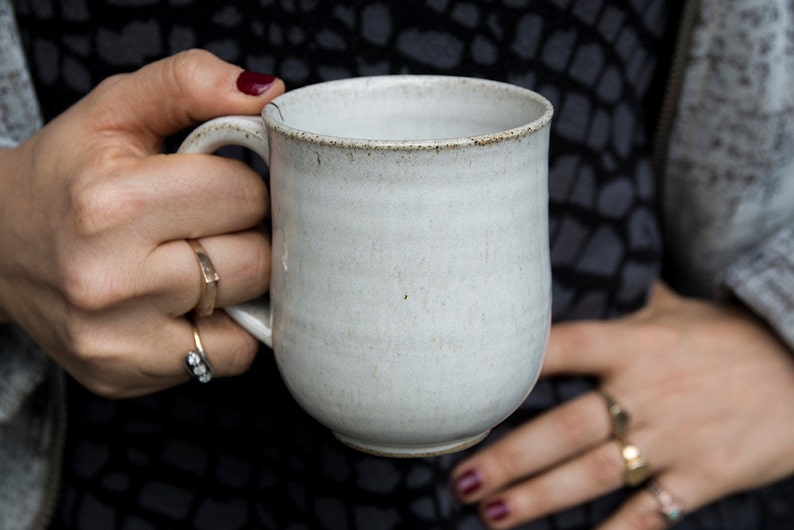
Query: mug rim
(271, 114)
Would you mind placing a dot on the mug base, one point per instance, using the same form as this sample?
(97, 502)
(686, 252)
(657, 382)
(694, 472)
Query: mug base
(412, 451)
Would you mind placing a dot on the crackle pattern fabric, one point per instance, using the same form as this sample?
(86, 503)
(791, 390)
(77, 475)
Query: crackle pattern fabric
(240, 453)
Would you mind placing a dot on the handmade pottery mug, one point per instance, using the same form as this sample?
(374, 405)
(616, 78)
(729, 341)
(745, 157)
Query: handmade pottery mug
(410, 293)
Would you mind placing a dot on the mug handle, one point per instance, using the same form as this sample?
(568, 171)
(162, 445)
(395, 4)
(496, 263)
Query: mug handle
(255, 316)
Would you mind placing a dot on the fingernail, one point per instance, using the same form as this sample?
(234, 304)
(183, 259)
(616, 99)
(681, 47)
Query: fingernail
(468, 483)
(254, 83)
(496, 510)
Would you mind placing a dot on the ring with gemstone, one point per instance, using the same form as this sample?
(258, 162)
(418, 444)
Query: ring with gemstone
(618, 415)
(196, 362)
(636, 471)
(669, 508)
(209, 280)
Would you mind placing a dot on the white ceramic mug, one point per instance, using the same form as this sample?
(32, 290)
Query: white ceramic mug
(410, 294)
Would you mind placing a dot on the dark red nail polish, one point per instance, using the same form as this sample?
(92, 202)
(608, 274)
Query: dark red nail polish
(496, 510)
(468, 483)
(254, 83)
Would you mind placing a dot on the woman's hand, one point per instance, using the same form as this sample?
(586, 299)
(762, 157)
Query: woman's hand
(94, 264)
(710, 391)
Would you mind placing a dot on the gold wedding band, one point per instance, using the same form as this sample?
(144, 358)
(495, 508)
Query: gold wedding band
(669, 508)
(619, 417)
(196, 362)
(209, 280)
(636, 471)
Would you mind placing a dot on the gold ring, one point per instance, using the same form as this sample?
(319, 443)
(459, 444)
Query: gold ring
(669, 507)
(196, 362)
(618, 415)
(209, 280)
(636, 471)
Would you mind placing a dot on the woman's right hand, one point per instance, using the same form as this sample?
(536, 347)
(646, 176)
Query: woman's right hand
(94, 265)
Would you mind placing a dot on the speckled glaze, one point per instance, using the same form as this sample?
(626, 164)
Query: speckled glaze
(411, 279)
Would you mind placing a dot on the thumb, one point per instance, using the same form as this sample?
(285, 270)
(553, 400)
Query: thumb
(179, 91)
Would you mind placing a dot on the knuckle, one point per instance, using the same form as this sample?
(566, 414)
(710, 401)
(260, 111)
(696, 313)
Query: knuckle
(108, 84)
(530, 501)
(86, 344)
(190, 59)
(184, 62)
(101, 104)
(89, 279)
(90, 288)
(185, 68)
(101, 205)
(96, 365)
(505, 464)
(577, 425)
(603, 466)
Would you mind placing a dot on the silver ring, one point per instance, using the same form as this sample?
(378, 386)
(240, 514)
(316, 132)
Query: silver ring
(669, 508)
(209, 280)
(196, 362)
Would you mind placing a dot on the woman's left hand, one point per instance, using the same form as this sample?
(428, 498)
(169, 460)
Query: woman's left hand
(710, 393)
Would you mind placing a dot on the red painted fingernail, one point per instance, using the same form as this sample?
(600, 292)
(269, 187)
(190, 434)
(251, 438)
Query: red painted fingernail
(496, 510)
(254, 83)
(468, 483)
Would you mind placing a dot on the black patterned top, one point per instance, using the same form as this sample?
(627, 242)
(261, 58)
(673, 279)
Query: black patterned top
(240, 453)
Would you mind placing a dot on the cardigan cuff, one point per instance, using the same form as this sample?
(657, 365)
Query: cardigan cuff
(763, 280)
(23, 367)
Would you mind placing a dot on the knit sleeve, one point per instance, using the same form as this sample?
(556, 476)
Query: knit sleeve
(22, 364)
(19, 111)
(23, 367)
(764, 281)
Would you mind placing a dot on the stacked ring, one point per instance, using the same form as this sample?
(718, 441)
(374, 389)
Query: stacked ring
(619, 416)
(196, 362)
(669, 508)
(636, 471)
(209, 280)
